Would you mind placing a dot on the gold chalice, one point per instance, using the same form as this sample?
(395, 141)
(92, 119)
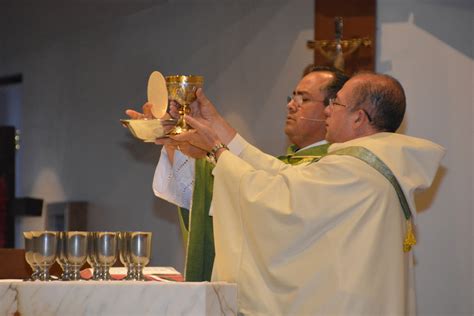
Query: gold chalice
(182, 90)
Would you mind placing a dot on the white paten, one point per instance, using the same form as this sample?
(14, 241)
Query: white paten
(117, 298)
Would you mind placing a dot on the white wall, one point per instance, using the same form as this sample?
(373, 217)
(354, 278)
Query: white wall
(428, 46)
(82, 70)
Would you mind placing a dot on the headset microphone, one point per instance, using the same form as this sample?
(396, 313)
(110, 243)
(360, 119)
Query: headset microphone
(311, 119)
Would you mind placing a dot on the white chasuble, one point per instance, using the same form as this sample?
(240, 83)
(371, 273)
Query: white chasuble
(322, 238)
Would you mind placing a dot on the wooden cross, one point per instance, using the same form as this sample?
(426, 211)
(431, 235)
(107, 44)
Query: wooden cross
(357, 51)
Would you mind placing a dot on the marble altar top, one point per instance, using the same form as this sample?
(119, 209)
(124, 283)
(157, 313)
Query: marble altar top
(117, 298)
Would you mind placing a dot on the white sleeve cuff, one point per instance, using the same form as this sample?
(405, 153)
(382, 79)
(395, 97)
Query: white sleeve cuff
(237, 144)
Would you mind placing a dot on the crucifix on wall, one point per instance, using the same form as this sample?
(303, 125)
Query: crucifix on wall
(344, 34)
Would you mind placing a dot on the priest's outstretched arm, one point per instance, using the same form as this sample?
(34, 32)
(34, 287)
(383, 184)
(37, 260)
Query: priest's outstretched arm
(212, 131)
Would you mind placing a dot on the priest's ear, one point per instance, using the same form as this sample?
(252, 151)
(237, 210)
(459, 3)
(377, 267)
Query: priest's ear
(359, 118)
(362, 116)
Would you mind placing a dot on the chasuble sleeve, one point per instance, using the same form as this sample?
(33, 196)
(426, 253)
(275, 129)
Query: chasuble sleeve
(259, 160)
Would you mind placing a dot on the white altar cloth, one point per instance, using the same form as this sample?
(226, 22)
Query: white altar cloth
(117, 298)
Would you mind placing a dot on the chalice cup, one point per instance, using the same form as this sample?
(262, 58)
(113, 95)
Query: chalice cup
(140, 250)
(76, 253)
(106, 252)
(182, 91)
(29, 256)
(45, 246)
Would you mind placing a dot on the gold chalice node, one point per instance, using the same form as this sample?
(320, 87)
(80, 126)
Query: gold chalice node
(182, 91)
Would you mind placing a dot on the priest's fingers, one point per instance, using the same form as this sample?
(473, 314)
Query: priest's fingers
(140, 116)
(203, 128)
(186, 148)
(193, 138)
(167, 127)
(204, 101)
(147, 110)
(203, 107)
(197, 123)
(134, 114)
(201, 136)
(184, 136)
(194, 109)
(192, 151)
(173, 109)
(215, 121)
(166, 141)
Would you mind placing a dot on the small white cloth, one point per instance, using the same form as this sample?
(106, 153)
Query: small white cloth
(175, 182)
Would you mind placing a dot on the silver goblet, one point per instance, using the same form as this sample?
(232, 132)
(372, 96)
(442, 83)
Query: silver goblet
(106, 252)
(29, 256)
(124, 254)
(76, 253)
(140, 250)
(61, 255)
(92, 257)
(45, 244)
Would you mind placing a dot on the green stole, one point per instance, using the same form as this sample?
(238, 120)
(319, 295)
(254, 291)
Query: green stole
(294, 157)
(375, 162)
(197, 231)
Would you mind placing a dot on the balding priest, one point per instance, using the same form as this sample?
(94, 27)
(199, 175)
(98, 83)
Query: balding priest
(331, 237)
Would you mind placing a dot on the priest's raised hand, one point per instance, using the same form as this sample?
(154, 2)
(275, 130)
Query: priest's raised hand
(205, 111)
(202, 136)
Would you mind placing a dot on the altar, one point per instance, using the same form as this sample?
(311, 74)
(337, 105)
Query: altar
(28, 298)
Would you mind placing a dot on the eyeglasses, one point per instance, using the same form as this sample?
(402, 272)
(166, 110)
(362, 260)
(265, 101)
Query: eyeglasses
(333, 102)
(299, 99)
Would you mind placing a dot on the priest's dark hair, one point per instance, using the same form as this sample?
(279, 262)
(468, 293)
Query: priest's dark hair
(331, 89)
(383, 97)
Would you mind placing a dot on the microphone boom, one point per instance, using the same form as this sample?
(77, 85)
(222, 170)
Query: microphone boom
(312, 119)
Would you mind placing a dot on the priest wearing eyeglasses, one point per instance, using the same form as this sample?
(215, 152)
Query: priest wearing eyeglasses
(188, 182)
